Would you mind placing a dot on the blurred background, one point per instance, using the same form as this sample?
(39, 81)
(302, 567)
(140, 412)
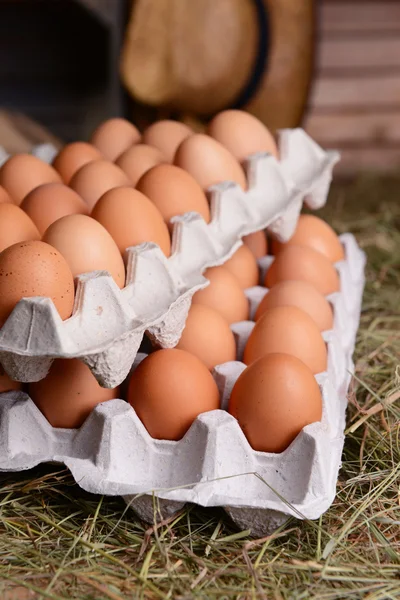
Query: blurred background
(332, 66)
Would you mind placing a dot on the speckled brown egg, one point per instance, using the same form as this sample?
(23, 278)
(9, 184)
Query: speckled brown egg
(69, 393)
(51, 201)
(30, 269)
(114, 136)
(95, 179)
(21, 173)
(15, 226)
(74, 156)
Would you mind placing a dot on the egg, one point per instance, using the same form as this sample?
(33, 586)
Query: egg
(6, 383)
(5, 196)
(290, 330)
(115, 136)
(208, 162)
(137, 160)
(224, 295)
(95, 179)
(69, 393)
(257, 243)
(314, 233)
(15, 226)
(166, 136)
(242, 134)
(131, 219)
(208, 336)
(29, 269)
(304, 264)
(244, 267)
(303, 295)
(21, 173)
(174, 192)
(74, 156)
(86, 246)
(51, 201)
(273, 399)
(168, 390)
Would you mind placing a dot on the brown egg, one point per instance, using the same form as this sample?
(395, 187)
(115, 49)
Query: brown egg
(15, 226)
(208, 161)
(131, 219)
(7, 384)
(95, 179)
(115, 136)
(23, 172)
(242, 134)
(224, 295)
(244, 267)
(5, 196)
(304, 264)
(174, 192)
(51, 201)
(168, 390)
(30, 269)
(314, 233)
(303, 295)
(137, 160)
(86, 246)
(208, 336)
(69, 393)
(166, 136)
(74, 156)
(257, 243)
(273, 399)
(290, 330)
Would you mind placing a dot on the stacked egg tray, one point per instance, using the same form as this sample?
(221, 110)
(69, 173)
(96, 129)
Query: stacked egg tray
(213, 464)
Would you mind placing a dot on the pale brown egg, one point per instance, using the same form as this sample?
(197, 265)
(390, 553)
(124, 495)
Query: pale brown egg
(131, 219)
(273, 399)
(51, 201)
(257, 243)
(244, 267)
(166, 136)
(69, 393)
(242, 134)
(303, 295)
(168, 390)
(22, 173)
(208, 161)
(30, 269)
(86, 246)
(15, 226)
(95, 179)
(224, 295)
(290, 330)
(208, 336)
(304, 264)
(74, 156)
(5, 196)
(314, 233)
(6, 383)
(138, 159)
(115, 136)
(174, 192)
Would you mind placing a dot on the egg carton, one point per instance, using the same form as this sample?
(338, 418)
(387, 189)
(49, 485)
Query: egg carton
(108, 324)
(213, 464)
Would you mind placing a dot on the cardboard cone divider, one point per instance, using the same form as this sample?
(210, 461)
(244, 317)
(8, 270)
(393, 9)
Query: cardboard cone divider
(213, 464)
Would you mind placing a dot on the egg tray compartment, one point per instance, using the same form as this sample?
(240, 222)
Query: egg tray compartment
(213, 464)
(108, 324)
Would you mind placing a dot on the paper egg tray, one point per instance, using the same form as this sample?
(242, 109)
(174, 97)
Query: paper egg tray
(108, 324)
(213, 464)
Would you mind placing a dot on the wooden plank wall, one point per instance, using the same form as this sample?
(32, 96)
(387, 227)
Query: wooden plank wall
(355, 101)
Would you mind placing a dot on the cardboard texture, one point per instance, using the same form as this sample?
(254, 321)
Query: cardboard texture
(108, 324)
(213, 464)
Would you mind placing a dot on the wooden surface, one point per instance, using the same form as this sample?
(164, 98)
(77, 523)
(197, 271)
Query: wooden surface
(355, 101)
